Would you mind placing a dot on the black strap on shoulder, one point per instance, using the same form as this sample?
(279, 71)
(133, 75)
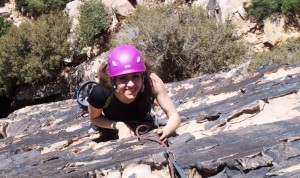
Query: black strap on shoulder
(107, 102)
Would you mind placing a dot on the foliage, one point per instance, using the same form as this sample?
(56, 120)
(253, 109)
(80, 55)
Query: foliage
(33, 52)
(180, 43)
(261, 9)
(4, 25)
(290, 7)
(94, 21)
(288, 53)
(38, 7)
(2, 2)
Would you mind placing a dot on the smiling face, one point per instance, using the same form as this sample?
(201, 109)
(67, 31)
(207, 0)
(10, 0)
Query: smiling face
(128, 86)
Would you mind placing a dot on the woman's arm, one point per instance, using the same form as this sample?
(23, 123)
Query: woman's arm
(166, 104)
(99, 120)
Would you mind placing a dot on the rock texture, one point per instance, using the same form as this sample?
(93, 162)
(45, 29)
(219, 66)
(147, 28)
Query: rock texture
(261, 38)
(243, 126)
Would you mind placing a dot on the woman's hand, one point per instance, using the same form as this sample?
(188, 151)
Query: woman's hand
(163, 134)
(124, 131)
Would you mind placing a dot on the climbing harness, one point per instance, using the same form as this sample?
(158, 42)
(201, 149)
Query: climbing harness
(169, 155)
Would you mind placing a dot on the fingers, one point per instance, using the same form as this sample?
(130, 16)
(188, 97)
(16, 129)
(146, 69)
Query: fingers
(162, 134)
(124, 134)
(158, 131)
(164, 140)
(124, 131)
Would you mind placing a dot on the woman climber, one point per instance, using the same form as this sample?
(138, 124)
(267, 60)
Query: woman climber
(123, 98)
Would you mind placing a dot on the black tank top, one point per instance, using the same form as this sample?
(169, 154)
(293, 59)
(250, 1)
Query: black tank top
(116, 110)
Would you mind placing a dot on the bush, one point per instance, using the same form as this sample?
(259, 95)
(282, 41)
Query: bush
(288, 53)
(33, 52)
(261, 9)
(291, 7)
(94, 21)
(180, 43)
(20, 5)
(4, 25)
(38, 7)
(2, 2)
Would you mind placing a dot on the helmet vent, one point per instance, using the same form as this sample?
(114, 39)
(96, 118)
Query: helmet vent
(114, 63)
(127, 66)
(138, 59)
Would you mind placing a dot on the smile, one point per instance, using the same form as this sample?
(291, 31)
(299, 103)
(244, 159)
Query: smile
(131, 90)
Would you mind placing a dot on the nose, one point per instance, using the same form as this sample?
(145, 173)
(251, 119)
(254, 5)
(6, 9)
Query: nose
(130, 83)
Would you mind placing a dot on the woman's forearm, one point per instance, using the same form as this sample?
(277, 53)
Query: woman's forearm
(172, 124)
(102, 122)
(123, 130)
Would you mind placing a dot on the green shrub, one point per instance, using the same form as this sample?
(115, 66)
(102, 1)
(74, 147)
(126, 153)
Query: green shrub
(180, 43)
(33, 52)
(20, 4)
(2, 2)
(4, 25)
(291, 7)
(38, 7)
(261, 9)
(94, 21)
(288, 53)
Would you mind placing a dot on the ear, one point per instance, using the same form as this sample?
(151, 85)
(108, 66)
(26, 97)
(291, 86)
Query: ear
(113, 83)
(115, 88)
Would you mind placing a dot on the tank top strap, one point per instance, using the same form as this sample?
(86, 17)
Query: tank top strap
(107, 102)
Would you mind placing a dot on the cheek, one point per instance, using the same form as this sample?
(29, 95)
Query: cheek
(140, 83)
(120, 86)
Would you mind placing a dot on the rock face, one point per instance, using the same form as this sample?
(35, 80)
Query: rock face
(244, 126)
(276, 31)
(261, 39)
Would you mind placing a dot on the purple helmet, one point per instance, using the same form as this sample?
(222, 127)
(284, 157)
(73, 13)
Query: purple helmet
(125, 59)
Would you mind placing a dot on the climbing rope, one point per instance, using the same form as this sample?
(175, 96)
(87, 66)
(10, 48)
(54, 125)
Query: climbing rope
(170, 156)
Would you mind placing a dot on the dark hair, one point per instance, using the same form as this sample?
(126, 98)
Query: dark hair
(104, 79)
(147, 93)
